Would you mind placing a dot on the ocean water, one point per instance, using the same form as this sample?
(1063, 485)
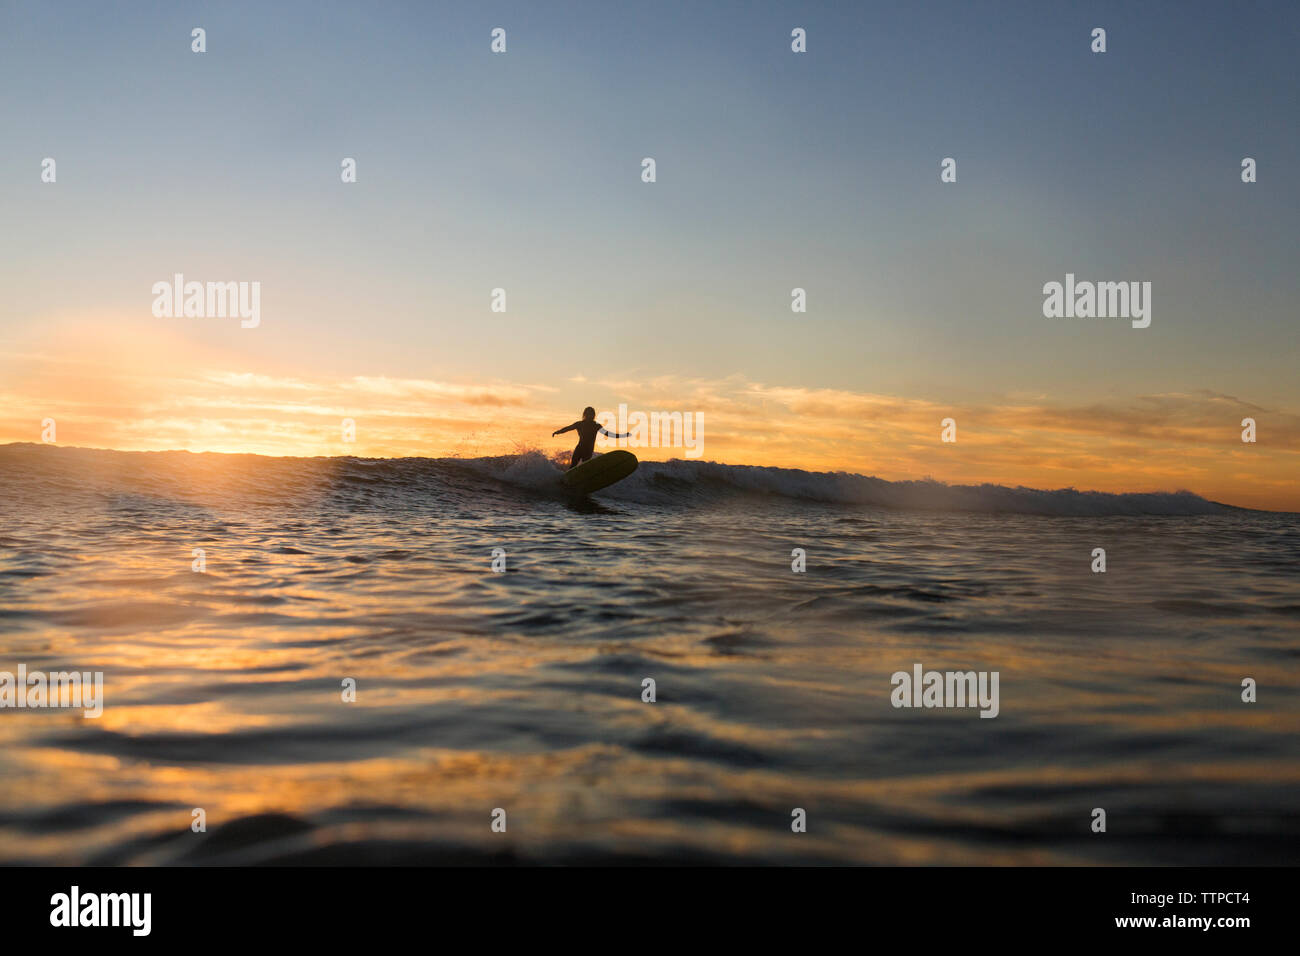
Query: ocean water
(522, 690)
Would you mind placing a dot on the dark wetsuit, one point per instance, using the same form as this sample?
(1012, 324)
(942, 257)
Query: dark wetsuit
(587, 430)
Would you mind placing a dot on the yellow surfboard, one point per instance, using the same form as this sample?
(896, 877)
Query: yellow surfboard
(600, 472)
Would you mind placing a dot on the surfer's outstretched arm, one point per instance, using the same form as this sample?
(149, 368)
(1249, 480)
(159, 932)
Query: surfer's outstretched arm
(606, 431)
(566, 428)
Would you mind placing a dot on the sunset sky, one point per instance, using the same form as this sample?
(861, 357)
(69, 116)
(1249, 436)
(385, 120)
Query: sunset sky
(775, 170)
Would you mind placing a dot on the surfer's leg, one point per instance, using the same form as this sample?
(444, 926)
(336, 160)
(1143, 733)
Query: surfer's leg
(575, 460)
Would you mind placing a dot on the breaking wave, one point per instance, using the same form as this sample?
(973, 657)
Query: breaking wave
(47, 470)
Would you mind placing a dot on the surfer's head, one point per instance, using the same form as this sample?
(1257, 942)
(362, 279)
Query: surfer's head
(588, 413)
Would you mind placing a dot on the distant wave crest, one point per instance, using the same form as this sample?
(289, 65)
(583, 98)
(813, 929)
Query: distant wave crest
(700, 479)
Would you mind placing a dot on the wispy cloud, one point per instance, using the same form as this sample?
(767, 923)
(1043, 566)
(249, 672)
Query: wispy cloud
(1142, 442)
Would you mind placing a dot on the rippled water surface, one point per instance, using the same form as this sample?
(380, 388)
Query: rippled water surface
(522, 690)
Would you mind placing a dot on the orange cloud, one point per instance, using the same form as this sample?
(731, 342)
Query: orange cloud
(173, 395)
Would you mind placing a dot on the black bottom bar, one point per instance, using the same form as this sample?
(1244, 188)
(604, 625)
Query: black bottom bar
(657, 906)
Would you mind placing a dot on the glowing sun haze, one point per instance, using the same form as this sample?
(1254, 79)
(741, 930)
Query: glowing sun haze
(151, 390)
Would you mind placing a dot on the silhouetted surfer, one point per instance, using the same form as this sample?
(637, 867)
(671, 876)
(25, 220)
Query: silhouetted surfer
(587, 430)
